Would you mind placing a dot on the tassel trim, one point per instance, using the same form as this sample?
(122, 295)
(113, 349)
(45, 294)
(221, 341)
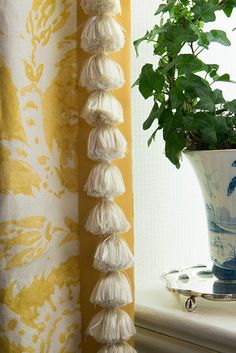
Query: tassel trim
(111, 326)
(102, 34)
(118, 348)
(101, 73)
(112, 291)
(113, 254)
(102, 108)
(105, 180)
(107, 218)
(106, 144)
(95, 7)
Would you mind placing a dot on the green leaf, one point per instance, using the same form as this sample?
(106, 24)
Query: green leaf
(205, 11)
(160, 46)
(152, 116)
(188, 64)
(231, 3)
(202, 119)
(188, 122)
(160, 97)
(150, 81)
(172, 123)
(206, 102)
(175, 145)
(137, 43)
(165, 7)
(218, 96)
(220, 125)
(149, 36)
(222, 78)
(218, 36)
(228, 10)
(232, 137)
(202, 38)
(203, 91)
(136, 83)
(204, 122)
(212, 69)
(145, 81)
(164, 118)
(183, 34)
(177, 98)
(231, 122)
(167, 67)
(231, 106)
(199, 2)
(176, 36)
(152, 138)
(209, 136)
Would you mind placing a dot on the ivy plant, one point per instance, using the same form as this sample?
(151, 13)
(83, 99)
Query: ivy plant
(191, 112)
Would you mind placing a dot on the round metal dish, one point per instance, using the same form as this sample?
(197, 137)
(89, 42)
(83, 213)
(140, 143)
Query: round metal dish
(199, 282)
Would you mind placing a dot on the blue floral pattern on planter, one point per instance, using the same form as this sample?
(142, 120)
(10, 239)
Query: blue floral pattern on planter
(221, 225)
(217, 175)
(232, 184)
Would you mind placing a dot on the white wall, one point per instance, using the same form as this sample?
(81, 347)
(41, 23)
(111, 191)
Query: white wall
(170, 224)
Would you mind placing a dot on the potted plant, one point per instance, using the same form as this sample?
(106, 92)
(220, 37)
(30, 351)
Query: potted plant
(193, 114)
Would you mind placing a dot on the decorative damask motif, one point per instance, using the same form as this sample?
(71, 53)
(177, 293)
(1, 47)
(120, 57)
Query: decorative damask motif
(60, 113)
(39, 248)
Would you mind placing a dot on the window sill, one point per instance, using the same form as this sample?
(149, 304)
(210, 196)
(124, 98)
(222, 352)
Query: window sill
(163, 323)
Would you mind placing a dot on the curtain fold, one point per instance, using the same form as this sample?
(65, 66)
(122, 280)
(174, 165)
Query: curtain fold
(45, 254)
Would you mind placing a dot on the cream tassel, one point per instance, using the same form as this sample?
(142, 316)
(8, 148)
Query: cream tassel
(101, 73)
(113, 254)
(112, 291)
(94, 7)
(122, 347)
(105, 180)
(107, 218)
(103, 108)
(106, 143)
(102, 34)
(111, 326)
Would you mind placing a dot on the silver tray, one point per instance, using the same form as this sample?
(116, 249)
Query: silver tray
(199, 282)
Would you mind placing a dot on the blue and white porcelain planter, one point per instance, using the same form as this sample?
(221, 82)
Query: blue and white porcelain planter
(216, 171)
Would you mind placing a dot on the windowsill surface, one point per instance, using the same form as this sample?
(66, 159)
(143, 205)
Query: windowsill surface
(212, 325)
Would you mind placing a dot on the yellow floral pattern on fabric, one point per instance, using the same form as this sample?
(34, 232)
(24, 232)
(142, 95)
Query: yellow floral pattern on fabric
(17, 176)
(10, 128)
(61, 100)
(33, 235)
(39, 247)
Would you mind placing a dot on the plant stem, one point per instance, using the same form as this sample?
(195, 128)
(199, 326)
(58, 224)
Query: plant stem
(200, 52)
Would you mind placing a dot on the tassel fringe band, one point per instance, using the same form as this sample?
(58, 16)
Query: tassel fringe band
(105, 180)
(111, 326)
(101, 73)
(102, 34)
(95, 7)
(106, 144)
(112, 291)
(118, 348)
(103, 108)
(113, 254)
(107, 218)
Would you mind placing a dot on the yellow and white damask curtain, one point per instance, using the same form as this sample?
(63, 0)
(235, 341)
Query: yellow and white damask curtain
(46, 256)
